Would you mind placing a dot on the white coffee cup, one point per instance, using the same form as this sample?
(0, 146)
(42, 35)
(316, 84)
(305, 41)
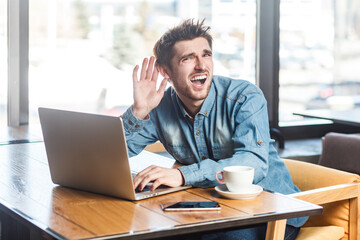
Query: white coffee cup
(236, 178)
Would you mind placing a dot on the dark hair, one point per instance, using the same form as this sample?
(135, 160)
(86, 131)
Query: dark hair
(187, 30)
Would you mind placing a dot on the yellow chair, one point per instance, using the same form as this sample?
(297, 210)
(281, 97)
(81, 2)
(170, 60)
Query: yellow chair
(155, 147)
(337, 191)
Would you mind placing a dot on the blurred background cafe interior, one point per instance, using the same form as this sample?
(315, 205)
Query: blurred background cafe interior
(303, 54)
(79, 55)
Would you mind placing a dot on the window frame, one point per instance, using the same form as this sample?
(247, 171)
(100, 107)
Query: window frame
(18, 62)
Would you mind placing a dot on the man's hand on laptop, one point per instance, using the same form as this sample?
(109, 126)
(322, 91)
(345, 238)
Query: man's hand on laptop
(159, 176)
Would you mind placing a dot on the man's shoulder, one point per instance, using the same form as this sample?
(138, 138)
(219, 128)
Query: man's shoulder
(167, 102)
(234, 87)
(169, 96)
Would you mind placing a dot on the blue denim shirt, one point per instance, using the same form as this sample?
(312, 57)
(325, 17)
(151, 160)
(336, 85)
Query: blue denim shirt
(231, 128)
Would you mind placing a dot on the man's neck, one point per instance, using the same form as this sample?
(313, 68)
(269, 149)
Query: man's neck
(192, 108)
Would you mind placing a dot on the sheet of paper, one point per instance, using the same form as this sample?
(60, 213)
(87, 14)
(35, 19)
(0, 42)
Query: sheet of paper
(146, 159)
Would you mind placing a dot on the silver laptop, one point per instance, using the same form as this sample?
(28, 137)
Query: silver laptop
(89, 152)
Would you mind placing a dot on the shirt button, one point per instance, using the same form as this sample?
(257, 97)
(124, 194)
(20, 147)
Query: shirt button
(206, 113)
(203, 157)
(198, 133)
(130, 122)
(137, 126)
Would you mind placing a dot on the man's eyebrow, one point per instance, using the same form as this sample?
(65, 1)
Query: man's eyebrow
(187, 55)
(193, 53)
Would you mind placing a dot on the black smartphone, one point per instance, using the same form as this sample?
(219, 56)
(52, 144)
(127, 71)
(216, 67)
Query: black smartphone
(190, 206)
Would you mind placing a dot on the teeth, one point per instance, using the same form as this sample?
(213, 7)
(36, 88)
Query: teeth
(198, 78)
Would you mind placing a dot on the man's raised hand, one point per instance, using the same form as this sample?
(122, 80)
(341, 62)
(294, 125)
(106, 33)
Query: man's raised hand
(146, 96)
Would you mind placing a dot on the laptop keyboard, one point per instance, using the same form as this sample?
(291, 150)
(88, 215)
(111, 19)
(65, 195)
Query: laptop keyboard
(146, 189)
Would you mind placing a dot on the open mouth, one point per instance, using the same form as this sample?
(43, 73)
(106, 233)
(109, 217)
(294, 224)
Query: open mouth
(198, 80)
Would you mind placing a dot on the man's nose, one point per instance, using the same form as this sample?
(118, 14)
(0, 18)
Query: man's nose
(200, 64)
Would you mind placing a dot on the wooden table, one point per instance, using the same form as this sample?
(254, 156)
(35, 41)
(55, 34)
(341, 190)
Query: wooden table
(31, 205)
(348, 117)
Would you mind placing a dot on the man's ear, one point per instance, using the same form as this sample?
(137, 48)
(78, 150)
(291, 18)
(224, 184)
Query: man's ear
(163, 70)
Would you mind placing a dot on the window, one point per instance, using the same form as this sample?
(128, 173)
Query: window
(82, 52)
(3, 63)
(319, 57)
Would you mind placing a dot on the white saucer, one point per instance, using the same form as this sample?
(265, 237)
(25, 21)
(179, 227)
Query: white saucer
(249, 193)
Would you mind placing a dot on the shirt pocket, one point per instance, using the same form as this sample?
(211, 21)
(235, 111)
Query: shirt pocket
(182, 154)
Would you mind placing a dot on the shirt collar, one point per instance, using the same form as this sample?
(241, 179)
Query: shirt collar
(205, 108)
(209, 101)
(180, 105)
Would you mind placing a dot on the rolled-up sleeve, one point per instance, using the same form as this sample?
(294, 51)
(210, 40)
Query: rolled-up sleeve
(139, 133)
